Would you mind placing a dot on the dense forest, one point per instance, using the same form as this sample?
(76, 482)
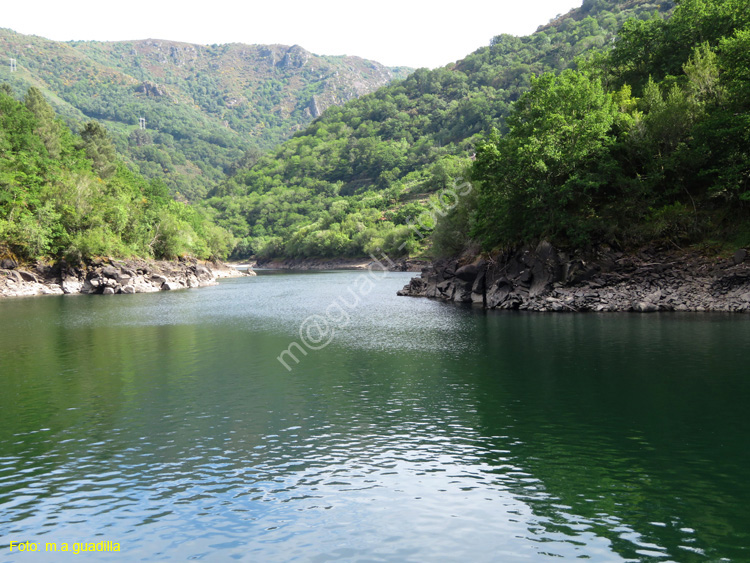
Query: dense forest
(648, 142)
(70, 196)
(208, 108)
(374, 172)
(621, 122)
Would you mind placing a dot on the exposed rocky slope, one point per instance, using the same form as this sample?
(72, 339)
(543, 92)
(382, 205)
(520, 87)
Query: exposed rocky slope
(547, 279)
(109, 277)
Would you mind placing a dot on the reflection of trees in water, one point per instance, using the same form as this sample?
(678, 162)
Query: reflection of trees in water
(633, 426)
(623, 427)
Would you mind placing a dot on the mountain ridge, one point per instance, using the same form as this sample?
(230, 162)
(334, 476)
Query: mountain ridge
(204, 105)
(359, 178)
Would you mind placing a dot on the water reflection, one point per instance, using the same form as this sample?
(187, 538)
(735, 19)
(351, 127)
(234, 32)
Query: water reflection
(423, 432)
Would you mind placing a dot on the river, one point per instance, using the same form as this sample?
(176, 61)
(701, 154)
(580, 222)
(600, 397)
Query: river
(392, 429)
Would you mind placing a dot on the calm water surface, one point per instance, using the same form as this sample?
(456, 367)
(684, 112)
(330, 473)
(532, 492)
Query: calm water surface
(422, 432)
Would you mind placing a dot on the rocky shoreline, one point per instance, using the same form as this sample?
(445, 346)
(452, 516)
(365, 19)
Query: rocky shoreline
(547, 279)
(400, 265)
(109, 277)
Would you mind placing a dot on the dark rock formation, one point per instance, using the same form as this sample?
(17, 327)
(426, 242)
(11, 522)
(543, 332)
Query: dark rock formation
(547, 279)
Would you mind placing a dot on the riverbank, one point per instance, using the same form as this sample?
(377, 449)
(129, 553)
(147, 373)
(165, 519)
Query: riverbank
(547, 279)
(400, 265)
(109, 277)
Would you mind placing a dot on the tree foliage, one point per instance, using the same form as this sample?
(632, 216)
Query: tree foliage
(372, 158)
(542, 177)
(66, 195)
(205, 106)
(584, 163)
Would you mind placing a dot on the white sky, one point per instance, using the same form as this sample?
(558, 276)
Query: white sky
(394, 32)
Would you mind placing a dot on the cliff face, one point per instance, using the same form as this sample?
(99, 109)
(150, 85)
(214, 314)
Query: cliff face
(547, 279)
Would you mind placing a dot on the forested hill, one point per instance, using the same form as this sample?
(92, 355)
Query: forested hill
(70, 196)
(649, 144)
(352, 181)
(206, 107)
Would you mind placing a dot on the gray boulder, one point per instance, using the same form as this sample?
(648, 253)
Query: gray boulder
(28, 276)
(71, 285)
(467, 273)
(499, 293)
(110, 272)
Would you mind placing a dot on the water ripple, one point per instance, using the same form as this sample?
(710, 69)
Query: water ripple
(167, 426)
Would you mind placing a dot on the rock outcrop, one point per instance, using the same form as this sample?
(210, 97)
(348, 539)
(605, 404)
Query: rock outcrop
(547, 279)
(110, 277)
(151, 89)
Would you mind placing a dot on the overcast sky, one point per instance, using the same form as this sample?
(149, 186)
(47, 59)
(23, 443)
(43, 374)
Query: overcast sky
(394, 32)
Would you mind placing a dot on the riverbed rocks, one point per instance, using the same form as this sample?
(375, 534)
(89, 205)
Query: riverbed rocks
(110, 277)
(544, 278)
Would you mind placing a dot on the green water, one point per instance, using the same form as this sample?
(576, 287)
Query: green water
(421, 432)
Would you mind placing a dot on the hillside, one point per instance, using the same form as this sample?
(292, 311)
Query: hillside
(206, 107)
(649, 146)
(359, 178)
(70, 196)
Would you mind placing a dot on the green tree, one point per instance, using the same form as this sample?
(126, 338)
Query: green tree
(49, 128)
(60, 207)
(543, 177)
(99, 149)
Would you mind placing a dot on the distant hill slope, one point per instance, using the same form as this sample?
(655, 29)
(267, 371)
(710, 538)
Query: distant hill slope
(355, 180)
(204, 106)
